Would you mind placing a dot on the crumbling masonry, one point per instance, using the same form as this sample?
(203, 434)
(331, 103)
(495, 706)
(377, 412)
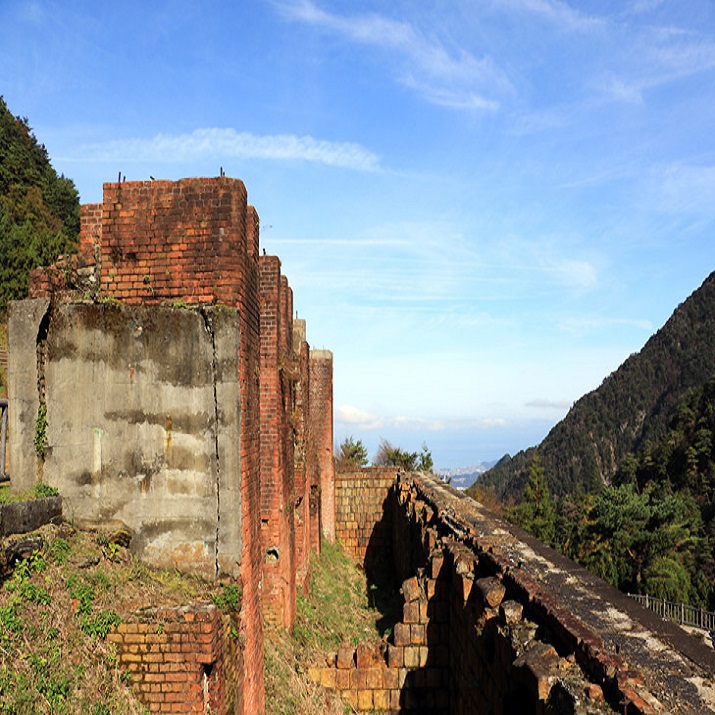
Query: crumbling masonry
(180, 400)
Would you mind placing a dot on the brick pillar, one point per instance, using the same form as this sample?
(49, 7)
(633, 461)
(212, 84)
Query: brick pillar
(277, 498)
(288, 377)
(252, 553)
(301, 353)
(90, 226)
(321, 418)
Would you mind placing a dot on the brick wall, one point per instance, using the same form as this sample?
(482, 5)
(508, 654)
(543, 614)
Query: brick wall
(321, 426)
(252, 560)
(195, 242)
(182, 660)
(410, 672)
(363, 523)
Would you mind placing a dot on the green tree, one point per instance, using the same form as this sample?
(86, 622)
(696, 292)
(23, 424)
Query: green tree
(537, 513)
(39, 211)
(389, 456)
(351, 454)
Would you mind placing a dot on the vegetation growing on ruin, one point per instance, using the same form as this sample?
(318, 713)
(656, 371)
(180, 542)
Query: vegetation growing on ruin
(55, 611)
(39, 210)
(339, 608)
(39, 491)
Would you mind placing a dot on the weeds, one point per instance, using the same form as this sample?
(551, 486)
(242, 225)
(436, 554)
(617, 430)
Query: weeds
(229, 598)
(54, 618)
(41, 432)
(39, 491)
(336, 611)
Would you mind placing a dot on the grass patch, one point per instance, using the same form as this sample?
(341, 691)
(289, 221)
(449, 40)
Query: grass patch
(55, 613)
(39, 491)
(337, 610)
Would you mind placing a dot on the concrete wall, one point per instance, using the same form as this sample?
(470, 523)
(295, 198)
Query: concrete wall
(142, 419)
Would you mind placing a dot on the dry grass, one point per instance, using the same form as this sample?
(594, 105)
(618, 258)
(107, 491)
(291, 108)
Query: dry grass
(339, 609)
(57, 606)
(54, 613)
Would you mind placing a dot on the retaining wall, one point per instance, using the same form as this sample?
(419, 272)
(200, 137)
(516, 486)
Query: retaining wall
(183, 660)
(495, 622)
(363, 517)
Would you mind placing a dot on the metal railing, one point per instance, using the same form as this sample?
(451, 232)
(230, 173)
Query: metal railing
(679, 613)
(3, 436)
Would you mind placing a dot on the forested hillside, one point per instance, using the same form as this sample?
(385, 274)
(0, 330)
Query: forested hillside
(625, 484)
(653, 529)
(39, 210)
(632, 406)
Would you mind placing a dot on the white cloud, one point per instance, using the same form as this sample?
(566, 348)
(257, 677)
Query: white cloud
(570, 272)
(544, 404)
(555, 11)
(683, 188)
(348, 417)
(228, 143)
(455, 79)
(360, 419)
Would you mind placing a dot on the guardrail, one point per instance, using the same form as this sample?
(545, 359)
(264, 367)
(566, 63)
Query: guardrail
(679, 613)
(3, 436)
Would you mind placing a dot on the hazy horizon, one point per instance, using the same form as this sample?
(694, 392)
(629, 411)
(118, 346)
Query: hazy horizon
(482, 208)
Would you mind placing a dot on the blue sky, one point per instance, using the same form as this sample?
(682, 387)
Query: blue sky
(483, 207)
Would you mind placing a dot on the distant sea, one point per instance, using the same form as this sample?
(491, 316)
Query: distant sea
(464, 477)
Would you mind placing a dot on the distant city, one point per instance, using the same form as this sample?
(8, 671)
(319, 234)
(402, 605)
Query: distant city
(464, 477)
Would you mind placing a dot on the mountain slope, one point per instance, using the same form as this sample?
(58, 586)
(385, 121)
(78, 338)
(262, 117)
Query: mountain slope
(632, 406)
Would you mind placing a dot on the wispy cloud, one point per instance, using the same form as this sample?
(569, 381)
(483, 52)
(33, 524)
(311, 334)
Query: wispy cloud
(348, 417)
(550, 257)
(570, 272)
(351, 417)
(544, 404)
(651, 56)
(224, 143)
(555, 11)
(682, 188)
(583, 325)
(449, 77)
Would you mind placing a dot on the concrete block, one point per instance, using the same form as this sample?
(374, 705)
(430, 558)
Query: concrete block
(26, 516)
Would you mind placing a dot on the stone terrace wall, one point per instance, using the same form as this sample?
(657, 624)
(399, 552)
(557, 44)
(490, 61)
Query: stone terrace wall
(494, 622)
(363, 521)
(183, 660)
